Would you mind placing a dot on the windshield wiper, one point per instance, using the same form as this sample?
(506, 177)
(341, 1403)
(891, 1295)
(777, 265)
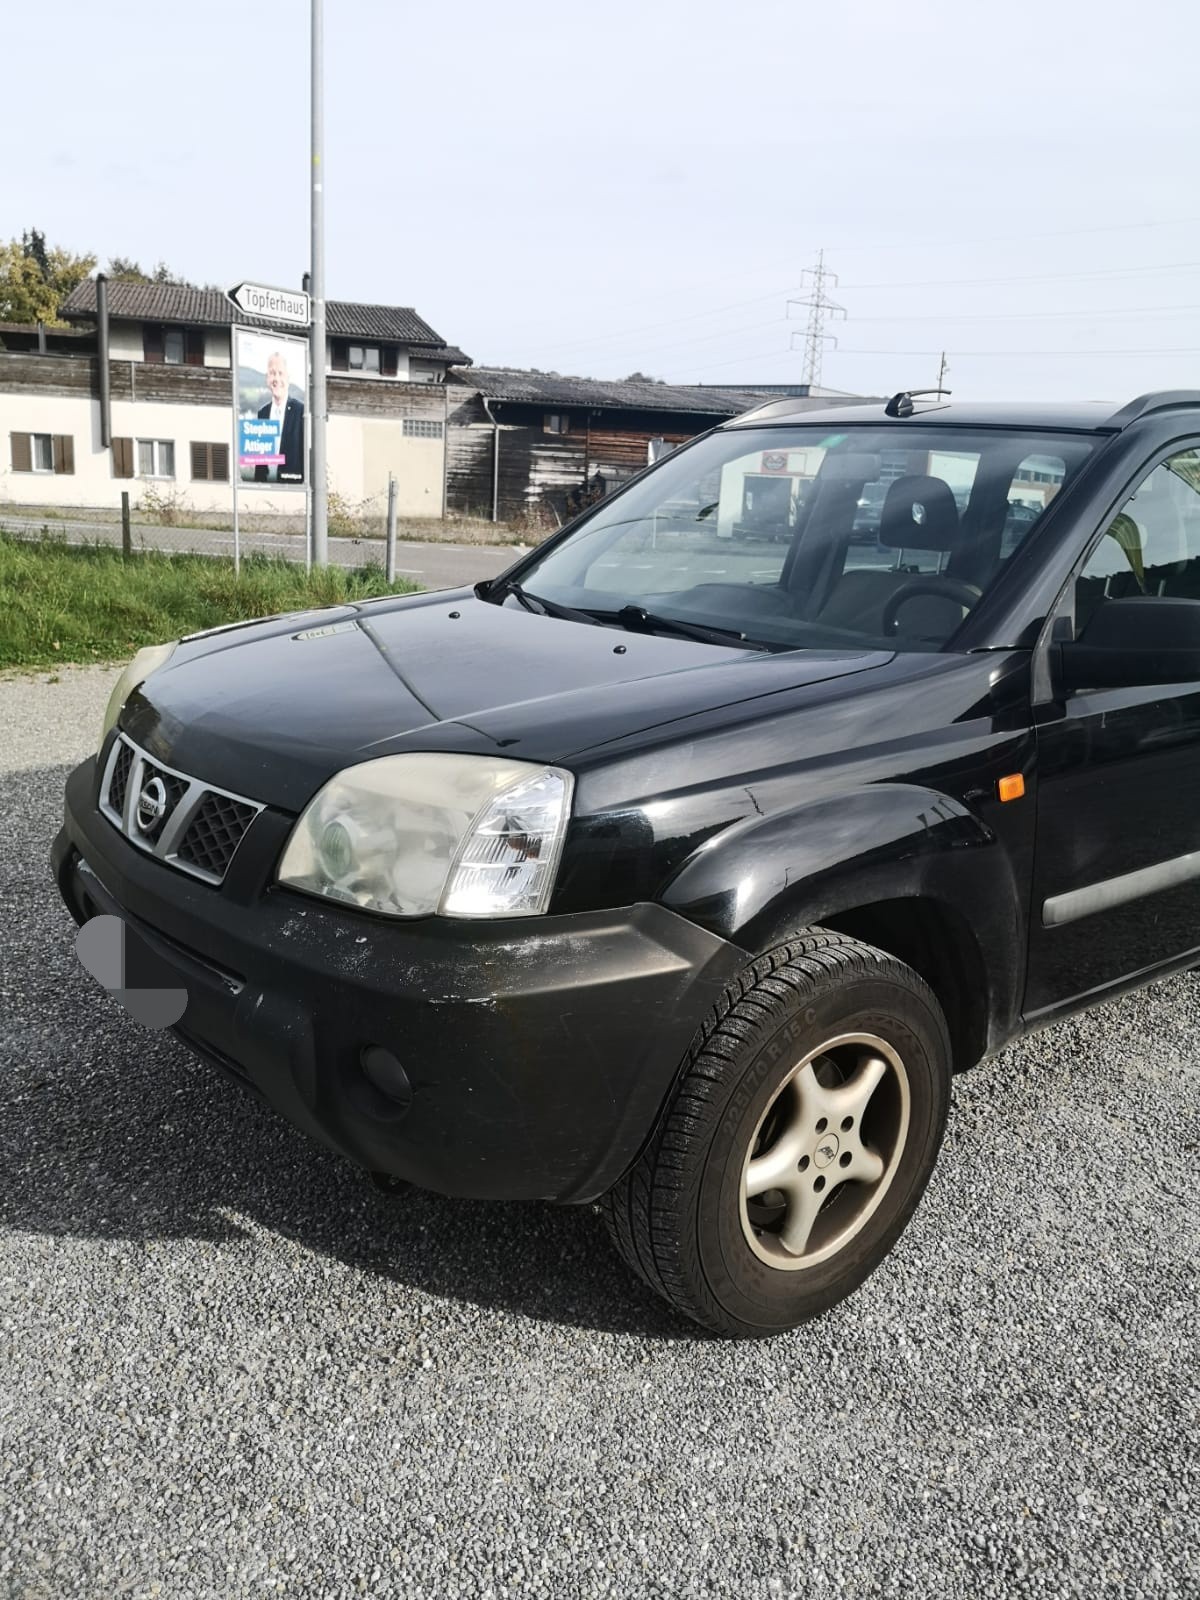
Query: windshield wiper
(634, 619)
(498, 592)
(638, 620)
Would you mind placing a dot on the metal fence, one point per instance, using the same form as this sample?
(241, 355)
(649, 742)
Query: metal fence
(356, 540)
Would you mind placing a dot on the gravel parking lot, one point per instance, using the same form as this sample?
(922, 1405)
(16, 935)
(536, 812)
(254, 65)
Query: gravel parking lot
(228, 1368)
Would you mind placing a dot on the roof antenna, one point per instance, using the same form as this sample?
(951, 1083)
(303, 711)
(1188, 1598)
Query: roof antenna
(901, 405)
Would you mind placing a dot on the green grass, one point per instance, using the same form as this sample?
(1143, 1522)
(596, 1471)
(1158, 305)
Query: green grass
(61, 602)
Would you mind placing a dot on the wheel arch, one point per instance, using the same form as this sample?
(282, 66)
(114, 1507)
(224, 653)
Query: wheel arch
(938, 942)
(904, 868)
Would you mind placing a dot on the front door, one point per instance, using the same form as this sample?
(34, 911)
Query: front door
(1117, 861)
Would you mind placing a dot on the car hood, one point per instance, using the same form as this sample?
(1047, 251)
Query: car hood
(274, 708)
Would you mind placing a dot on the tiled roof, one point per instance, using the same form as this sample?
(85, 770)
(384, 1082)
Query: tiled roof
(399, 324)
(440, 352)
(548, 388)
(166, 302)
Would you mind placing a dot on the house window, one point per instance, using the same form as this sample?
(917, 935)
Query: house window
(556, 422)
(419, 428)
(175, 347)
(42, 452)
(380, 359)
(155, 458)
(210, 463)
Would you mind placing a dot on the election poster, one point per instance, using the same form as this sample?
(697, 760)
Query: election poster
(272, 383)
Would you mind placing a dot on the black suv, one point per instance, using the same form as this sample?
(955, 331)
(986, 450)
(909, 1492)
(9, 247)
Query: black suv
(679, 875)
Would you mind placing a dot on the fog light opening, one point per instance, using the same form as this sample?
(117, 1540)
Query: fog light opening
(384, 1072)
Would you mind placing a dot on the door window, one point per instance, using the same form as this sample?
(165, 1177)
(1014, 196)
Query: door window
(1152, 545)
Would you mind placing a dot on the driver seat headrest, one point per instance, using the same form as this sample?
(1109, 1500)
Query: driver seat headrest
(919, 513)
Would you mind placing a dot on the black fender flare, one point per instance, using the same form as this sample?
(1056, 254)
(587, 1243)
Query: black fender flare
(763, 878)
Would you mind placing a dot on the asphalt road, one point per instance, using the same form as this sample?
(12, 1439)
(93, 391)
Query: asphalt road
(228, 1368)
(431, 566)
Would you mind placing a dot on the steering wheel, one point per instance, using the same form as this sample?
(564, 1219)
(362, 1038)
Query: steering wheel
(966, 594)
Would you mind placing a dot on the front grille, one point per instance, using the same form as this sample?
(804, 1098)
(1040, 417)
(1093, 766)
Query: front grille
(187, 824)
(119, 781)
(215, 831)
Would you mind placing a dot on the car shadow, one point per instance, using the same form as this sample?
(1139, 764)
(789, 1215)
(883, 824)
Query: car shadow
(111, 1130)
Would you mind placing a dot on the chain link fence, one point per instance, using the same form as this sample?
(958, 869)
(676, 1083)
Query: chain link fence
(154, 520)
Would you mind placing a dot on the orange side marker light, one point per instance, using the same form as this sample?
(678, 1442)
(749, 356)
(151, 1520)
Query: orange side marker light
(1012, 787)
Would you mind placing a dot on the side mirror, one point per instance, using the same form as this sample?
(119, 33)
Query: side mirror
(1142, 640)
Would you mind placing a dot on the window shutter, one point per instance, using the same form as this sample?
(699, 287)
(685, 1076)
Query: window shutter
(122, 455)
(210, 463)
(152, 343)
(22, 454)
(387, 361)
(64, 452)
(339, 355)
(194, 347)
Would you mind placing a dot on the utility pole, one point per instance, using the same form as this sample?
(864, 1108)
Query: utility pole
(943, 369)
(316, 358)
(820, 306)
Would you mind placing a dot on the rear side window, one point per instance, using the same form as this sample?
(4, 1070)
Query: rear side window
(1034, 485)
(1152, 546)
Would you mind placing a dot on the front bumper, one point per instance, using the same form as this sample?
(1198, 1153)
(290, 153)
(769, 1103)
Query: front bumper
(539, 1051)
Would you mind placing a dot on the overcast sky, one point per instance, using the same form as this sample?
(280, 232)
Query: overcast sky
(596, 189)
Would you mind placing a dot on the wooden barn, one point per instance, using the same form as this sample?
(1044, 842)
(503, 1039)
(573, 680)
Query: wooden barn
(537, 446)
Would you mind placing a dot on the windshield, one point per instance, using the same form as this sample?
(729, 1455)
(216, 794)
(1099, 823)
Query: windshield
(803, 537)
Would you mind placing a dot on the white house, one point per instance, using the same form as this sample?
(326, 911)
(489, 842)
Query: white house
(171, 401)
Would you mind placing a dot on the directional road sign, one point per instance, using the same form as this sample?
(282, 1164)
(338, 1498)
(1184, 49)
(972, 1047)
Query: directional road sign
(274, 305)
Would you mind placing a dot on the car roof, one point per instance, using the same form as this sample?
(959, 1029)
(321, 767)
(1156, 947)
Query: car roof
(1088, 416)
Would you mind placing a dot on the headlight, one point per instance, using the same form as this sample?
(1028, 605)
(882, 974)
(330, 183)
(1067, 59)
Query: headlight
(408, 836)
(139, 669)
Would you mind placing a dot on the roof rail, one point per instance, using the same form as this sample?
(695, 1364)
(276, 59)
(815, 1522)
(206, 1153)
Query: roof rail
(785, 406)
(1157, 400)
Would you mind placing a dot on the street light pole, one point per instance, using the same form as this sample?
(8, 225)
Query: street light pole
(316, 359)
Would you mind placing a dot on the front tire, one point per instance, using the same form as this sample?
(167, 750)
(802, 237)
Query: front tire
(797, 1143)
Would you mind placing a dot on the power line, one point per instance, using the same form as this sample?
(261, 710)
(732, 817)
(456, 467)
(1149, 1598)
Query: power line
(1056, 277)
(671, 322)
(1027, 316)
(905, 242)
(1156, 350)
(1037, 277)
(775, 355)
(707, 338)
(738, 361)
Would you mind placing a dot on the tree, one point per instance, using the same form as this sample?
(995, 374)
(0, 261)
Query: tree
(640, 377)
(123, 269)
(35, 279)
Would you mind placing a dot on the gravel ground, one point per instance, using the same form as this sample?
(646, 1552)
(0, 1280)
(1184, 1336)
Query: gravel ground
(227, 1368)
